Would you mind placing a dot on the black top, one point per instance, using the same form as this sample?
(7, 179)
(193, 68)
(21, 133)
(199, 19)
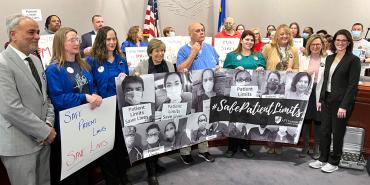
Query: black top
(79, 81)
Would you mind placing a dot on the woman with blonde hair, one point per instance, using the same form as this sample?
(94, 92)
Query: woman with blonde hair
(313, 63)
(258, 40)
(280, 53)
(70, 84)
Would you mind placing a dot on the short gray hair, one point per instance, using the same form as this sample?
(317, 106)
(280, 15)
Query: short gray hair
(13, 21)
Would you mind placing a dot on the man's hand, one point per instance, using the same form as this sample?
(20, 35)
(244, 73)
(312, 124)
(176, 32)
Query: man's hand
(50, 137)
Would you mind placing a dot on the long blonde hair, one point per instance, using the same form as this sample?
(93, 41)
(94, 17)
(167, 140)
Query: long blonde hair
(59, 51)
(282, 28)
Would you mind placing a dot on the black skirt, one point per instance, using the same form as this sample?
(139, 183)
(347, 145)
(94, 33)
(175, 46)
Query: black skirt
(311, 112)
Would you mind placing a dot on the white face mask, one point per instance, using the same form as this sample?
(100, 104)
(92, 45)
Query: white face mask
(171, 34)
(356, 34)
(133, 97)
(208, 86)
(174, 93)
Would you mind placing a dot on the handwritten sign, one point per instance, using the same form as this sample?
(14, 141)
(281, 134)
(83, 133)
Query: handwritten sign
(266, 40)
(86, 134)
(174, 110)
(207, 40)
(135, 55)
(244, 91)
(46, 48)
(298, 42)
(223, 46)
(35, 14)
(136, 114)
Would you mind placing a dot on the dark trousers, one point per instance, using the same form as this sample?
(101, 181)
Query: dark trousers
(234, 143)
(151, 166)
(331, 124)
(115, 163)
(306, 131)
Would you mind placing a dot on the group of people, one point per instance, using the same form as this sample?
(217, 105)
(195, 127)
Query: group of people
(32, 98)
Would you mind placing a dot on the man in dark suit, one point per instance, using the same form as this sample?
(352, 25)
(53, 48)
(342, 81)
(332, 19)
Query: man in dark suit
(86, 43)
(26, 113)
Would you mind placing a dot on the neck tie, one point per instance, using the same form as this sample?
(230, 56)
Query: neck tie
(34, 71)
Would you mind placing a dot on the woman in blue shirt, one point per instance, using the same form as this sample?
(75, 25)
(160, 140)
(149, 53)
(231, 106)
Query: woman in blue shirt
(242, 58)
(70, 84)
(106, 64)
(134, 39)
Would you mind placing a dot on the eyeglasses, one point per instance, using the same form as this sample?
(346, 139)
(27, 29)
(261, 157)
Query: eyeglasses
(243, 80)
(339, 40)
(256, 33)
(74, 40)
(315, 45)
(153, 134)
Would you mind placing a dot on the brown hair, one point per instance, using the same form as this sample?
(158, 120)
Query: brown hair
(310, 40)
(155, 44)
(166, 31)
(244, 34)
(59, 51)
(99, 49)
(132, 33)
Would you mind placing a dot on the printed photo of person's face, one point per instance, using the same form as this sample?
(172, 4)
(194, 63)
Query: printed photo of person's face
(243, 78)
(273, 82)
(173, 86)
(302, 84)
(133, 93)
(129, 140)
(208, 81)
(202, 122)
(152, 136)
(169, 131)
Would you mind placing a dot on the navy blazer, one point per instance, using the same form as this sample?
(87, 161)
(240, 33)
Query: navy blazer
(86, 42)
(344, 80)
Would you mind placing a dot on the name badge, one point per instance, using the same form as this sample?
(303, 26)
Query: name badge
(101, 69)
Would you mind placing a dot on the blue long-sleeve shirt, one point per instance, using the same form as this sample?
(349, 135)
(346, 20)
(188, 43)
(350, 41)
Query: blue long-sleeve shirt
(104, 75)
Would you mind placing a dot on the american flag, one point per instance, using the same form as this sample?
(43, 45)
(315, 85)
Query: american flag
(151, 25)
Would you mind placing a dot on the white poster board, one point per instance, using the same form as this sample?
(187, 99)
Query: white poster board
(223, 46)
(46, 48)
(86, 134)
(173, 45)
(35, 14)
(93, 39)
(135, 55)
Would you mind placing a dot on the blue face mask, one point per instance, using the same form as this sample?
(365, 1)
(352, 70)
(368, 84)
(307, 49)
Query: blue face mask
(305, 35)
(356, 34)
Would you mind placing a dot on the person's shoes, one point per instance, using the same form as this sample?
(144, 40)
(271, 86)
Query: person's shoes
(316, 164)
(187, 159)
(316, 152)
(329, 168)
(304, 152)
(159, 168)
(153, 180)
(229, 154)
(248, 153)
(207, 156)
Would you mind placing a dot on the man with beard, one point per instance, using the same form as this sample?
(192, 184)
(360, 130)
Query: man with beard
(228, 31)
(273, 84)
(135, 152)
(52, 25)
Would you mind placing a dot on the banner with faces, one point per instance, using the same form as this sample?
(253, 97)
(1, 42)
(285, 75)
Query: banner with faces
(167, 111)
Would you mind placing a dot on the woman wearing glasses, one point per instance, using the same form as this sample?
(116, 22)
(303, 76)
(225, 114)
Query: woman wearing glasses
(337, 98)
(313, 62)
(242, 58)
(70, 84)
(259, 44)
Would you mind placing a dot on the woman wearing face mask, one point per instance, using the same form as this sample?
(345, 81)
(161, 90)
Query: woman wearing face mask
(174, 139)
(280, 53)
(106, 64)
(70, 84)
(307, 32)
(207, 89)
(313, 62)
(337, 98)
(169, 32)
(273, 84)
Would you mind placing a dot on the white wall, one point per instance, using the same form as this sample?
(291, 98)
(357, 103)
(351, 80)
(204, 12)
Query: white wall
(121, 14)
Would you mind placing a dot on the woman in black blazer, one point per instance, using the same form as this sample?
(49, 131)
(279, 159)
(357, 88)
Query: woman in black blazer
(339, 88)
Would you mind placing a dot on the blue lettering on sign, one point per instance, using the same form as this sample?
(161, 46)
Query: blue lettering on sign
(86, 123)
(70, 116)
(98, 131)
